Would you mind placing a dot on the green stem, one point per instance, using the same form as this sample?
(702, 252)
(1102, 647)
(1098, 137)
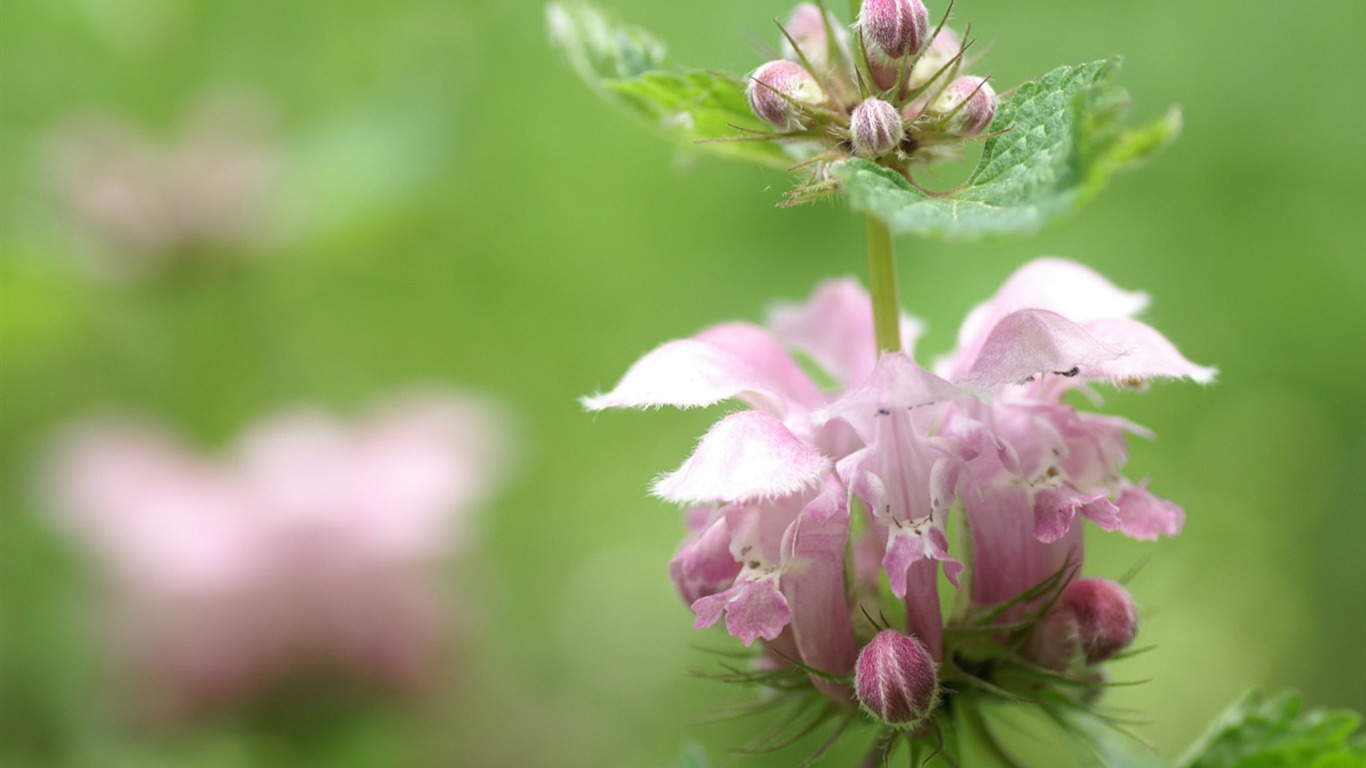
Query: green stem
(882, 283)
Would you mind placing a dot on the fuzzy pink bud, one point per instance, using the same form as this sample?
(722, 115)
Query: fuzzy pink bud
(773, 89)
(810, 32)
(970, 104)
(894, 29)
(1106, 618)
(895, 679)
(940, 52)
(875, 128)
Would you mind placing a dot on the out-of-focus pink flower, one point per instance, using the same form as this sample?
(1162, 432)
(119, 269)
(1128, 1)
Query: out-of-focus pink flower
(309, 548)
(145, 201)
(775, 544)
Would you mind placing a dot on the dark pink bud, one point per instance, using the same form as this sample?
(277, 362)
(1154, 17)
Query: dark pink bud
(1054, 643)
(969, 104)
(894, 29)
(895, 679)
(1106, 619)
(875, 128)
(773, 89)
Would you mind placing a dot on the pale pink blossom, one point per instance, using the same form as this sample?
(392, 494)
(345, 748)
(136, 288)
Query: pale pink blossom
(1041, 464)
(310, 547)
(892, 450)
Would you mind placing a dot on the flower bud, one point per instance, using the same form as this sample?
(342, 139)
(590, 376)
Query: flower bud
(969, 104)
(895, 679)
(775, 86)
(894, 29)
(1106, 618)
(809, 31)
(875, 128)
(1054, 644)
(940, 52)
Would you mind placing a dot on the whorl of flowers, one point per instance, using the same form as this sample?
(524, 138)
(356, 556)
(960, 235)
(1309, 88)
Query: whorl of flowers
(893, 92)
(815, 510)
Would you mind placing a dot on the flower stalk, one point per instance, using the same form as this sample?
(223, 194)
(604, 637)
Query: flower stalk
(882, 286)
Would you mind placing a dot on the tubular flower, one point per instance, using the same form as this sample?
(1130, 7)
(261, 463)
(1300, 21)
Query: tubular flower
(807, 505)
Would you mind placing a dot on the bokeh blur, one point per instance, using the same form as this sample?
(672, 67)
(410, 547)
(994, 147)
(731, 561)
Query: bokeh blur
(211, 210)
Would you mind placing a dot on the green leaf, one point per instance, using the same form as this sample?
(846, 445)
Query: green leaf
(1277, 734)
(1062, 140)
(624, 64)
(1100, 742)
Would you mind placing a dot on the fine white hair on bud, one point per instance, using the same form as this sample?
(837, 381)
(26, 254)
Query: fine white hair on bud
(809, 29)
(777, 88)
(894, 29)
(1105, 617)
(968, 105)
(895, 679)
(875, 128)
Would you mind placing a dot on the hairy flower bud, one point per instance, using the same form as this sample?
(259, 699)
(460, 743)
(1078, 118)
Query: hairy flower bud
(968, 104)
(940, 52)
(1106, 620)
(773, 89)
(895, 679)
(875, 128)
(810, 32)
(894, 29)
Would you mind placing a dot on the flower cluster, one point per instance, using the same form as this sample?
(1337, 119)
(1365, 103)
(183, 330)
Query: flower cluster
(894, 92)
(307, 554)
(805, 508)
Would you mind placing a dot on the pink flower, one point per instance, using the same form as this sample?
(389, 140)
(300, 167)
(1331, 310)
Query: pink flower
(767, 546)
(772, 488)
(1053, 327)
(310, 546)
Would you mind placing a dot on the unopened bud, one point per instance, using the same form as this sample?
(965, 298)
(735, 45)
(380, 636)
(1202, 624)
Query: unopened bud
(875, 128)
(1054, 643)
(895, 679)
(894, 29)
(969, 104)
(940, 52)
(773, 89)
(1106, 618)
(810, 32)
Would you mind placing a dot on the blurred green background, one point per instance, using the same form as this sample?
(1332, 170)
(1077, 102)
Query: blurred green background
(452, 206)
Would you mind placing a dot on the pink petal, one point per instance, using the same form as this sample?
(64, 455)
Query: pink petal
(1143, 515)
(1147, 353)
(1065, 287)
(906, 546)
(1031, 342)
(754, 608)
(895, 384)
(704, 565)
(813, 582)
(746, 455)
(1055, 509)
(688, 373)
(835, 327)
(768, 358)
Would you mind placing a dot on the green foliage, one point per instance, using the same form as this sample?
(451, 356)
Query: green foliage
(691, 756)
(702, 110)
(1276, 734)
(1062, 140)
